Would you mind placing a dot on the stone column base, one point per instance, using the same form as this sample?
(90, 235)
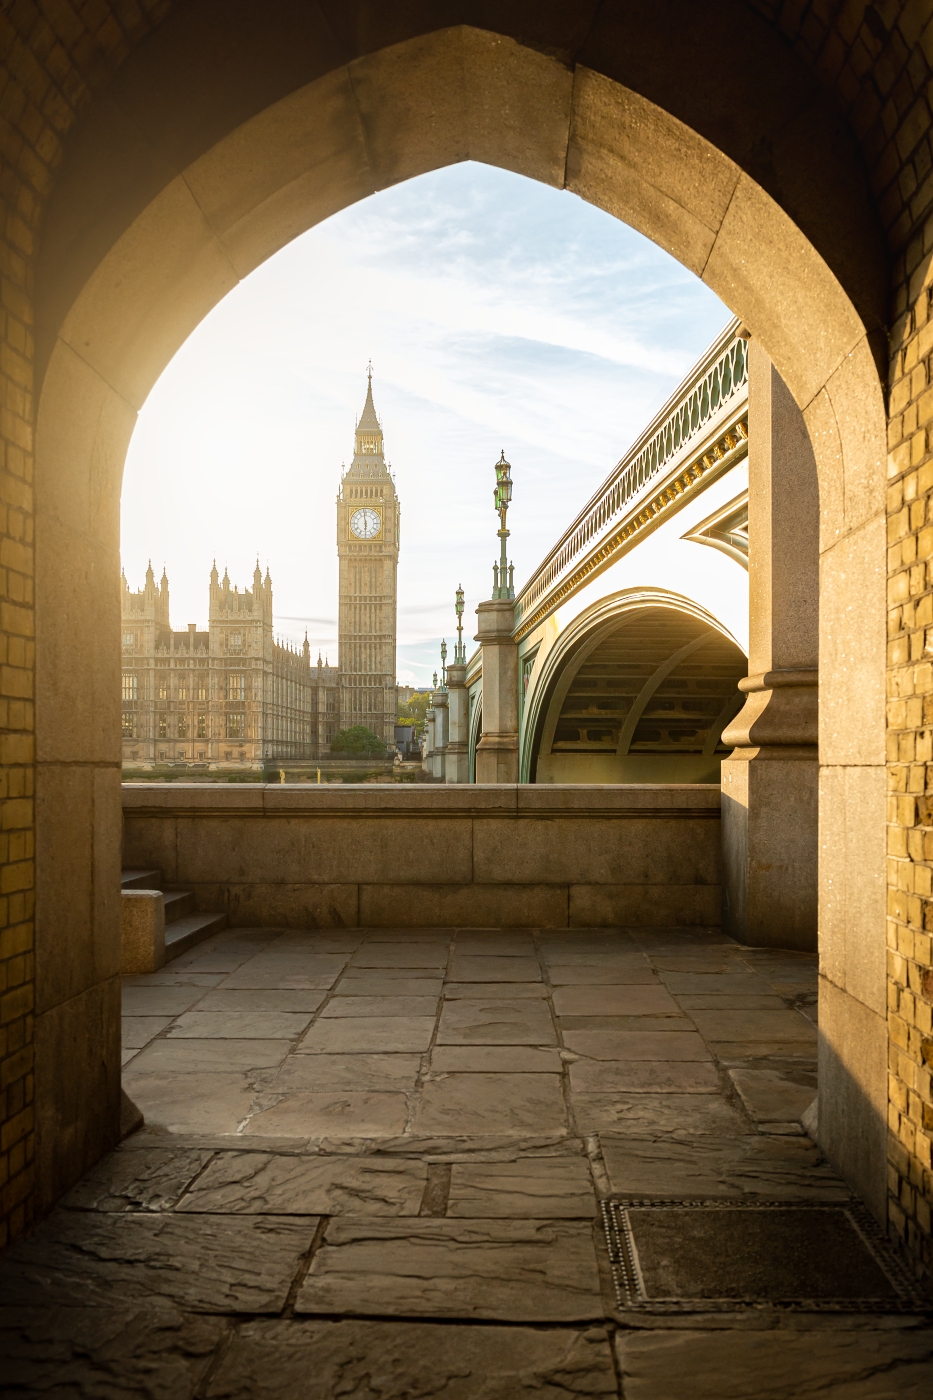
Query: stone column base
(769, 846)
(497, 758)
(142, 930)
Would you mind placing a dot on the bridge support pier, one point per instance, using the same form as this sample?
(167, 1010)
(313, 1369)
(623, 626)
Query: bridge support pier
(497, 750)
(770, 782)
(457, 768)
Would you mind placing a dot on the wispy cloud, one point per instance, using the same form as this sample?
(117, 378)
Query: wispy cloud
(498, 313)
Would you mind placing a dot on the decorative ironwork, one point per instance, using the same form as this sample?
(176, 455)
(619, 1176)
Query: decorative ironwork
(503, 573)
(460, 649)
(718, 381)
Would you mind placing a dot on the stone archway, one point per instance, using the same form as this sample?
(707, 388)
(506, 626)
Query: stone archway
(125, 278)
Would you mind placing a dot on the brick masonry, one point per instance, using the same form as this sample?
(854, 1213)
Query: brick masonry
(877, 60)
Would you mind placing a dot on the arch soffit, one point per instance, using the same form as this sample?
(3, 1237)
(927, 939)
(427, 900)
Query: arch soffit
(578, 639)
(440, 99)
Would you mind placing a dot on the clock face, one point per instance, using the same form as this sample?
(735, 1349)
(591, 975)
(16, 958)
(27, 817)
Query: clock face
(366, 524)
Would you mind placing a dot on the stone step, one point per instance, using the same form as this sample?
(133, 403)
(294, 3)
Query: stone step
(187, 932)
(141, 879)
(178, 905)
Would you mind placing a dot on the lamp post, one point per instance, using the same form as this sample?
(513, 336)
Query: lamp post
(503, 572)
(460, 652)
(444, 662)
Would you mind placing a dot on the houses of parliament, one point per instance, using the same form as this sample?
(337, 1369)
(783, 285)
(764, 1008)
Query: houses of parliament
(233, 696)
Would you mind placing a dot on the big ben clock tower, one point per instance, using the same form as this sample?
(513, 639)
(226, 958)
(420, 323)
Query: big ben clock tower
(367, 545)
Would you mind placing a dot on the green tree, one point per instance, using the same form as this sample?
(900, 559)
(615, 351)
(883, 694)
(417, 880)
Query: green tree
(358, 741)
(413, 711)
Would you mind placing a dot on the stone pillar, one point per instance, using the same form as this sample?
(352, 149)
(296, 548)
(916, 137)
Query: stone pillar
(142, 931)
(427, 761)
(441, 717)
(458, 739)
(497, 750)
(770, 781)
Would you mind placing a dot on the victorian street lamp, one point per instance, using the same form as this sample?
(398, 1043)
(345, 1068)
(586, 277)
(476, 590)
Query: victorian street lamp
(460, 653)
(444, 663)
(503, 572)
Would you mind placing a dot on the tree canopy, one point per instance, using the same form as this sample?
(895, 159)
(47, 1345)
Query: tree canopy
(358, 740)
(412, 712)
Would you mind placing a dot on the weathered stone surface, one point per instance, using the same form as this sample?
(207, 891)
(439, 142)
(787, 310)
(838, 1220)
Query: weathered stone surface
(205, 1263)
(772, 1026)
(614, 1001)
(786, 1168)
(644, 1076)
(288, 973)
(496, 1022)
(488, 991)
(467, 967)
(637, 1045)
(183, 1055)
(738, 983)
(259, 1183)
(317, 1360)
(557, 1187)
(431, 954)
(134, 1179)
(405, 1034)
(190, 1103)
(332, 1113)
(239, 1025)
(389, 982)
(771, 1097)
(600, 974)
(722, 1001)
(387, 1006)
(316, 1072)
(137, 1031)
(490, 1103)
(262, 1000)
(656, 1115)
(151, 1350)
(153, 1000)
(512, 1270)
(627, 1023)
(783, 1364)
(495, 1059)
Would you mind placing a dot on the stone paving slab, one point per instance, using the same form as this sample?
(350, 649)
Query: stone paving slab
(469, 968)
(382, 986)
(312, 1072)
(770, 1096)
(184, 1055)
(464, 1104)
(637, 1045)
(540, 1188)
(151, 1349)
(496, 1022)
(656, 1115)
(387, 1006)
(253, 978)
(376, 975)
(405, 1034)
(480, 991)
(600, 974)
(735, 982)
(785, 1168)
(159, 1000)
(723, 1001)
(239, 1025)
(783, 1026)
(257, 1183)
(137, 1031)
(191, 1103)
(302, 1359)
(138, 1179)
(627, 1023)
(495, 1059)
(614, 1001)
(276, 999)
(401, 955)
(780, 1364)
(512, 1270)
(344, 1112)
(205, 1263)
(644, 1076)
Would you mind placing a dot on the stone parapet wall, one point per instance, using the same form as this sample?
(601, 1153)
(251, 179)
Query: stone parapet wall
(470, 857)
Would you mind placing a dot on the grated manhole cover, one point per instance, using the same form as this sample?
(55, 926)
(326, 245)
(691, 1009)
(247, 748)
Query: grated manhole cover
(689, 1256)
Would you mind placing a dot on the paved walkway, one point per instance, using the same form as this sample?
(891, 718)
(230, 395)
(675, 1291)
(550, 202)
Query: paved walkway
(372, 1167)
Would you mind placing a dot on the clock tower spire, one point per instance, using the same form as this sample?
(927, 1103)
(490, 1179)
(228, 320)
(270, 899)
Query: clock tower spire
(367, 546)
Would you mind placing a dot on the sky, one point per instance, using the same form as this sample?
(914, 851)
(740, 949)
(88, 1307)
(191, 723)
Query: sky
(498, 313)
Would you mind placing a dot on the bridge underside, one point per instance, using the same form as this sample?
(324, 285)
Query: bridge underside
(642, 701)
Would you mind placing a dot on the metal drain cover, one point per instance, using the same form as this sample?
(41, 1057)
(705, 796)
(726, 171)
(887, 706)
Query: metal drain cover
(689, 1256)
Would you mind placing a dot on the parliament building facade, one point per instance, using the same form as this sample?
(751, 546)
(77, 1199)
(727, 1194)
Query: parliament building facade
(234, 696)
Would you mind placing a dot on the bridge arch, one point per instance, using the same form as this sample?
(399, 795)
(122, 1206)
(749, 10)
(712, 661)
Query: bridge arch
(614, 675)
(172, 190)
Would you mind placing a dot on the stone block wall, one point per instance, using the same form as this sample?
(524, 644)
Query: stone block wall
(304, 856)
